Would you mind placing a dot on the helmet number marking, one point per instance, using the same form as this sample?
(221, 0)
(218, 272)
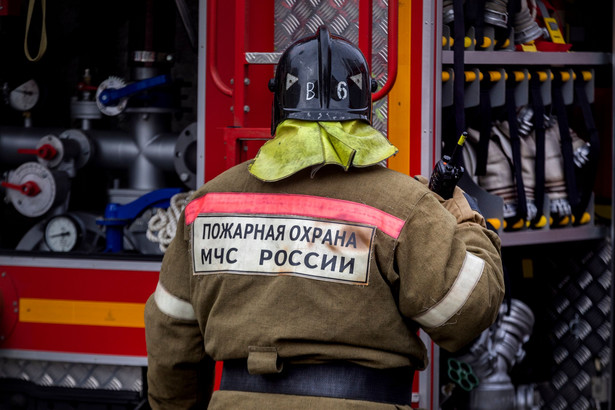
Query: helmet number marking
(342, 90)
(310, 94)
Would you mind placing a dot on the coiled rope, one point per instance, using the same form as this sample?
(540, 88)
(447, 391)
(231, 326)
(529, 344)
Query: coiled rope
(162, 225)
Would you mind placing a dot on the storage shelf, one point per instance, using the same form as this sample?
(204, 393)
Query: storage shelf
(568, 234)
(582, 58)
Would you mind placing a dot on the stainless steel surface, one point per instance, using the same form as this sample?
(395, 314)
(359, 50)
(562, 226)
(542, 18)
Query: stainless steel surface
(567, 234)
(262, 58)
(201, 90)
(296, 19)
(89, 263)
(72, 374)
(583, 58)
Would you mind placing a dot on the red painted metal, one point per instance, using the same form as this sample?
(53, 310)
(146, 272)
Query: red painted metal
(124, 286)
(240, 69)
(233, 138)
(10, 7)
(75, 339)
(8, 308)
(224, 115)
(416, 84)
(212, 47)
(28, 188)
(392, 48)
(365, 29)
(437, 73)
(45, 151)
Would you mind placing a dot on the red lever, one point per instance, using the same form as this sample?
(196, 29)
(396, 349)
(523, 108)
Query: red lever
(29, 188)
(86, 87)
(45, 151)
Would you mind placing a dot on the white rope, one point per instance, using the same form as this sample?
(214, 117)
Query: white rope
(162, 225)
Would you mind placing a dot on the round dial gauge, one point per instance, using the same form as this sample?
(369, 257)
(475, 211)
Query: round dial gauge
(24, 97)
(61, 233)
(34, 173)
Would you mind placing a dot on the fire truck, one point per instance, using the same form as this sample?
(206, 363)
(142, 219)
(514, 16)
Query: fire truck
(113, 112)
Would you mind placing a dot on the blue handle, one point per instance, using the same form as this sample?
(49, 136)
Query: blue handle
(111, 96)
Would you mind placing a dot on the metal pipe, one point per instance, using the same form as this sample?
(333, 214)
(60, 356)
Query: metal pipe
(365, 29)
(239, 91)
(14, 138)
(392, 48)
(145, 155)
(212, 49)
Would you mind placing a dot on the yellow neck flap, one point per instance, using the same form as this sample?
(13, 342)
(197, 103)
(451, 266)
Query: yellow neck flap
(301, 144)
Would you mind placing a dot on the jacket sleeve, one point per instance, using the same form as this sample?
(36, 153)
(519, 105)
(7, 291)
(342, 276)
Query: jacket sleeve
(180, 375)
(450, 270)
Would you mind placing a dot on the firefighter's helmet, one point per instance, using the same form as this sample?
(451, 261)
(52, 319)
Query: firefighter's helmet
(322, 78)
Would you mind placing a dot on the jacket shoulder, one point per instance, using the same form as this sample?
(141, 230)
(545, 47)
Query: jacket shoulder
(231, 180)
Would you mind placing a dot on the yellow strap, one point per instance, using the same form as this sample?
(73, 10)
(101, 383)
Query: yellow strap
(43, 44)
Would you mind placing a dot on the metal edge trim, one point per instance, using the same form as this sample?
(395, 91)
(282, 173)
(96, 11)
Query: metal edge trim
(74, 357)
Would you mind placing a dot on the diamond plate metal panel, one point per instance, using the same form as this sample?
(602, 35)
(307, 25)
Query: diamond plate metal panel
(581, 331)
(73, 375)
(380, 60)
(295, 19)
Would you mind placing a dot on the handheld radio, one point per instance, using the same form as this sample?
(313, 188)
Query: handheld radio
(448, 171)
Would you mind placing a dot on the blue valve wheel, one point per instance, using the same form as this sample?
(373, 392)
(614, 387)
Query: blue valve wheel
(111, 83)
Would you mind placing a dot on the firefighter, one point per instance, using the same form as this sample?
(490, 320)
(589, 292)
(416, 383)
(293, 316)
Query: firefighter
(309, 270)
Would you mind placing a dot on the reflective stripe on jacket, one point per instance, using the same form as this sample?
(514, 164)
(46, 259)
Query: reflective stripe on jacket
(340, 265)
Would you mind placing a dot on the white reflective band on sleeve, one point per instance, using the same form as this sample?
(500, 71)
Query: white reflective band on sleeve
(468, 277)
(172, 305)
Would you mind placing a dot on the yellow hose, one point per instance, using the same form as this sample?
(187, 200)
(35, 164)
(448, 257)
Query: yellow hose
(43, 44)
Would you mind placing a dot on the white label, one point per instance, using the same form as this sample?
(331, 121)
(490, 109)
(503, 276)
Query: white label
(311, 248)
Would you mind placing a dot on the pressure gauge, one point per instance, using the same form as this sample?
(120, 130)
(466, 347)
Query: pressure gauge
(61, 233)
(32, 189)
(24, 97)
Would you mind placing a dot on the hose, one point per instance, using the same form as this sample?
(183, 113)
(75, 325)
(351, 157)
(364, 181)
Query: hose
(43, 44)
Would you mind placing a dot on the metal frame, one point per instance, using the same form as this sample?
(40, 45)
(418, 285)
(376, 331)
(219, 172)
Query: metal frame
(531, 59)
(535, 58)
(90, 263)
(612, 233)
(430, 127)
(202, 63)
(68, 348)
(432, 92)
(429, 380)
(138, 361)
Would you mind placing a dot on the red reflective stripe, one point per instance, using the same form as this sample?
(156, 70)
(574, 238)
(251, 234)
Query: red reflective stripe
(299, 205)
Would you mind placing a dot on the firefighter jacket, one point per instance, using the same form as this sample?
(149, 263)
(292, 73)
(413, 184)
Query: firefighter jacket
(336, 265)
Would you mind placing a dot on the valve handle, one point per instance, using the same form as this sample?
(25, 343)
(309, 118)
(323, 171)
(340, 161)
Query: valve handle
(28, 188)
(45, 151)
(111, 96)
(82, 86)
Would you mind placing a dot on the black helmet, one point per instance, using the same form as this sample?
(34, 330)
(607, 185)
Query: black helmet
(322, 78)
